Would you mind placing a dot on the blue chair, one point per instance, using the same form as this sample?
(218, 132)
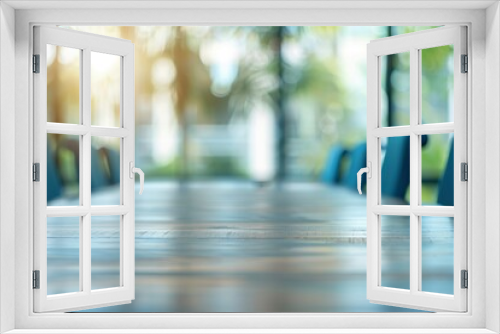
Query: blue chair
(396, 167)
(98, 178)
(54, 183)
(446, 185)
(357, 160)
(74, 146)
(113, 157)
(331, 173)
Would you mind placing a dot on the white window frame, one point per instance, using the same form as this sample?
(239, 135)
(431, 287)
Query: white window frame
(413, 44)
(86, 297)
(483, 246)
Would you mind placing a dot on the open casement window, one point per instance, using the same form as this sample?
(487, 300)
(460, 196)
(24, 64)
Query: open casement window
(398, 233)
(84, 168)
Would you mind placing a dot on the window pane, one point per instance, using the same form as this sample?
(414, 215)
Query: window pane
(63, 255)
(437, 170)
(437, 84)
(105, 89)
(395, 177)
(105, 183)
(63, 172)
(105, 252)
(395, 267)
(437, 254)
(395, 89)
(63, 84)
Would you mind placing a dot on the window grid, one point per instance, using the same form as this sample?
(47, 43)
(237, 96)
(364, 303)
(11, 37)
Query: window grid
(415, 298)
(86, 298)
(86, 210)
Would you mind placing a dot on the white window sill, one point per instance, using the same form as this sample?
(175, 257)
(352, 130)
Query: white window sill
(250, 331)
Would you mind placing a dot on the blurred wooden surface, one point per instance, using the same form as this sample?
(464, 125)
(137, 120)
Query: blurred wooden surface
(237, 247)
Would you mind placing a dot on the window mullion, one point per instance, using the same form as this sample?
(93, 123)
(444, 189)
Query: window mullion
(414, 171)
(434, 129)
(109, 132)
(85, 167)
(81, 178)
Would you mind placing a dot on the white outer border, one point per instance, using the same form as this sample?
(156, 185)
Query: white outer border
(249, 4)
(7, 166)
(492, 160)
(475, 319)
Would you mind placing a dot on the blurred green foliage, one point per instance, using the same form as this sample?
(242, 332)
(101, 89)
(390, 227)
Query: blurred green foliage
(316, 76)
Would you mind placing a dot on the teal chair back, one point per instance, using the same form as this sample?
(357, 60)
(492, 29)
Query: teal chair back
(98, 177)
(113, 157)
(357, 160)
(54, 183)
(396, 167)
(332, 171)
(446, 188)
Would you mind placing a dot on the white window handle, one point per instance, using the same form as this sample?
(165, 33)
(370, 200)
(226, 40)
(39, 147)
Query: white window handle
(368, 171)
(139, 171)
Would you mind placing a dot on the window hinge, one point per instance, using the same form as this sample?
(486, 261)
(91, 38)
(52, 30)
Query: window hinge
(36, 279)
(36, 172)
(464, 170)
(465, 279)
(465, 64)
(36, 63)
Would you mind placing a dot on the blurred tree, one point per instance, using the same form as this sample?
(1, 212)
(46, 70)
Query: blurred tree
(299, 72)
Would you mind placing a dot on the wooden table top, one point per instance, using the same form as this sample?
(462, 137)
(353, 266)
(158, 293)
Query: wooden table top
(231, 246)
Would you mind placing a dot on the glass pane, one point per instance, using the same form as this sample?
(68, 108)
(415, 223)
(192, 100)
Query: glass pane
(105, 89)
(63, 255)
(437, 170)
(437, 254)
(395, 267)
(395, 177)
(105, 252)
(437, 84)
(105, 185)
(63, 84)
(63, 177)
(395, 89)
